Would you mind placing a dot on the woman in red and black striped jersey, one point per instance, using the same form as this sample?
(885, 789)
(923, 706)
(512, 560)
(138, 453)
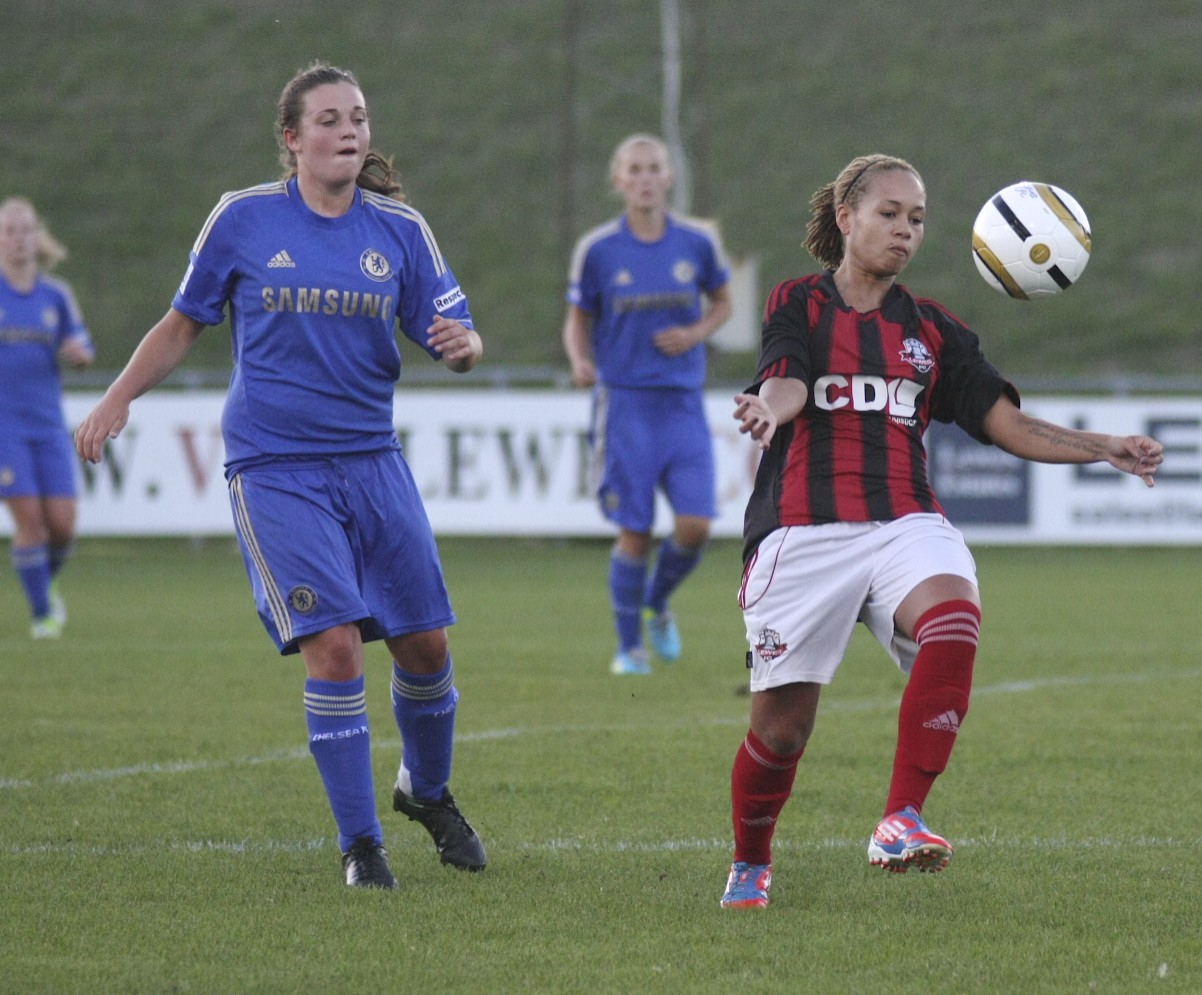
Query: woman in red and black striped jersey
(843, 525)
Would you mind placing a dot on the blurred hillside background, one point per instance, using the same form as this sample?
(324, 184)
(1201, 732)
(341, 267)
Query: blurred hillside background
(125, 121)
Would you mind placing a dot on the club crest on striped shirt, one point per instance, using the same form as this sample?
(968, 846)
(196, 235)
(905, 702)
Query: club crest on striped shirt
(916, 354)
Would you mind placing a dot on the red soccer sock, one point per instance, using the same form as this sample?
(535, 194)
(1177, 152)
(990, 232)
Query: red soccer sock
(935, 700)
(760, 783)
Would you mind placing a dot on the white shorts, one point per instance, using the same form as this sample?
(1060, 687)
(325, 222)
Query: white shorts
(806, 587)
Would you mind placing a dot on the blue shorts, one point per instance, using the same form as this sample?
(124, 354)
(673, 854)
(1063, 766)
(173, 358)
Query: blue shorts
(44, 466)
(341, 539)
(646, 441)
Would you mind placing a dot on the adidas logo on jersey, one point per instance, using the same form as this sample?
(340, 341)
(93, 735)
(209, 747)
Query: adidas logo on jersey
(949, 721)
(281, 260)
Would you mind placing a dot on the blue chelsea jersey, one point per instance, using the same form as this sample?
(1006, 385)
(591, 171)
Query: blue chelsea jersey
(634, 289)
(33, 326)
(313, 306)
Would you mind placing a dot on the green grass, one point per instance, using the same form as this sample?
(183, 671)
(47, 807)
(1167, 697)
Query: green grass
(126, 120)
(162, 828)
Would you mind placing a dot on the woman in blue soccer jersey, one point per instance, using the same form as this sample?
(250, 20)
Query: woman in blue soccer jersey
(645, 291)
(40, 327)
(842, 525)
(317, 270)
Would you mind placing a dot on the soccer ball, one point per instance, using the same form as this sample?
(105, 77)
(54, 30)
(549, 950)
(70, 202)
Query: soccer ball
(1031, 240)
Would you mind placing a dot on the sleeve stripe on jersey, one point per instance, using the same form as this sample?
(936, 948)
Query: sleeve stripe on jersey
(262, 190)
(390, 206)
(778, 297)
(587, 241)
(275, 600)
(64, 288)
(709, 231)
(777, 369)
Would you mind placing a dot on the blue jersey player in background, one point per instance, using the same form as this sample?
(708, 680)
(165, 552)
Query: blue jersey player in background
(317, 270)
(40, 326)
(645, 291)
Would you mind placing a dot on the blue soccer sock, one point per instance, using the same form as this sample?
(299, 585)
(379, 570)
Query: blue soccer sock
(339, 739)
(32, 564)
(672, 566)
(627, 575)
(424, 706)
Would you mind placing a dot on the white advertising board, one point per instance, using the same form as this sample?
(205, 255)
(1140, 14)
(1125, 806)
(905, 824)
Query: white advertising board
(508, 462)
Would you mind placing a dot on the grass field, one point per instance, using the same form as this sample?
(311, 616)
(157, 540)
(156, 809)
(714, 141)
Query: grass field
(162, 828)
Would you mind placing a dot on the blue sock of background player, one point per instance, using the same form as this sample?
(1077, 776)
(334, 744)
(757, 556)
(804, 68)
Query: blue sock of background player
(33, 569)
(627, 577)
(672, 566)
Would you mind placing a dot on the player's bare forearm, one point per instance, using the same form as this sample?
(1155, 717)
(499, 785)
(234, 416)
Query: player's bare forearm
(160, 351)
(716, 315)
(77, 353)
(780, 400)
(680, 339)
(1044, 442)
(1034, 439)
(1050, 443)
(577, 326)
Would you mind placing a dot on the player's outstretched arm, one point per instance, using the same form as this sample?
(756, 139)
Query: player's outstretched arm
(1139, 455)
(1034, 439)
(160, 351)
(780, 400)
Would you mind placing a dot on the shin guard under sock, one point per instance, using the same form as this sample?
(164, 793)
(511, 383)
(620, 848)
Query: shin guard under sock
(760, 784)
(935, 700)
(424, 706)
(339, 739)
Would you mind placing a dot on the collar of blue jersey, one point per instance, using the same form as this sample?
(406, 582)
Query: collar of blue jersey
(294, 195)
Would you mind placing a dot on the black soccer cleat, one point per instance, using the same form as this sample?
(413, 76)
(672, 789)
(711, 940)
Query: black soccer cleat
(366, 865)
(455, 840)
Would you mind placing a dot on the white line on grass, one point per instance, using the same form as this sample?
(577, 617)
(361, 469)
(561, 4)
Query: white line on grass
(300, 753)
(558, 846)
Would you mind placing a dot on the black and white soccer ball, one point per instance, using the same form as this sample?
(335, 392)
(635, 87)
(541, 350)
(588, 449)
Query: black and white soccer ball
(1031, 240)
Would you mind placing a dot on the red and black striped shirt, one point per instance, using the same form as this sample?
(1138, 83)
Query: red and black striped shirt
(875, 380)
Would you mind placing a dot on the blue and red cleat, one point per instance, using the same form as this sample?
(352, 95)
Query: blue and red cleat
(902, 841)
(747, 887)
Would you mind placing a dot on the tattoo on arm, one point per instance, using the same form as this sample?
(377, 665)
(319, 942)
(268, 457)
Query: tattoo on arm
(1065, 438)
